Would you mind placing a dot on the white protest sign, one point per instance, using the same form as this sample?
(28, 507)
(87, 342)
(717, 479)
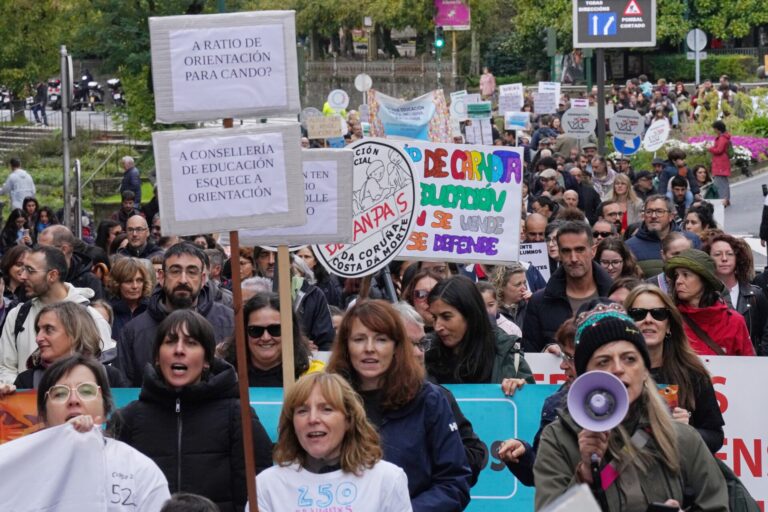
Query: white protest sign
(509, 103)
(579, 123)
(38, 471)
(468, 205)
(627, 124)
(536, 255)
(338, 99)
(218, 180)
(544, 103)
(479, 132)
(383, 195)
(328, 201)
(656, 135)
(517, 120)
(551, 87)
(324, 127)
(458, 108)
(579, 103)
(511, 89)
(208, 67)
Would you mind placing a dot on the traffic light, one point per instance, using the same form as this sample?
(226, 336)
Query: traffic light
(439, 40)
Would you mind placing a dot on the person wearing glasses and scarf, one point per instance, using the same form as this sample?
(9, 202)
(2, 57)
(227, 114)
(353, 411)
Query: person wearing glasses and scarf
(265, 349)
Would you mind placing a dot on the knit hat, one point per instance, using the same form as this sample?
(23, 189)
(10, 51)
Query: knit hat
(698, 262)
(603, 325)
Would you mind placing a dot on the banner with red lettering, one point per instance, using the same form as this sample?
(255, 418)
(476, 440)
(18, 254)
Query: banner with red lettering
(468, 203)
(740, 384)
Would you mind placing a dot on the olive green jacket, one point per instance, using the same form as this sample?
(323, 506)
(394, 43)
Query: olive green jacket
(558, 456)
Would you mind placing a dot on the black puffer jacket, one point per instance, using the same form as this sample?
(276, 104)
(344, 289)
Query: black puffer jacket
(80, 275)
(194, 435)
(134, 346)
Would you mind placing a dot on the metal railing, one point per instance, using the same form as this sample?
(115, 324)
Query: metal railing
(101, 166)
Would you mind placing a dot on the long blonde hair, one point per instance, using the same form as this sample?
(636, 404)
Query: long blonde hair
(662, 430)
(360, 447)
(631, 196)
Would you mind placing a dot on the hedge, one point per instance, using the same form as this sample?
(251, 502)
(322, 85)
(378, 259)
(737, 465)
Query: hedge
(678, 67)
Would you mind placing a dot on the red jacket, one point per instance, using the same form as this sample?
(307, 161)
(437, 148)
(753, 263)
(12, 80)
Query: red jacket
(725, 326)
(721, 164)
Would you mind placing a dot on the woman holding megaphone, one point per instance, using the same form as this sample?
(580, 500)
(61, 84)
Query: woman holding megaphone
(631, 460)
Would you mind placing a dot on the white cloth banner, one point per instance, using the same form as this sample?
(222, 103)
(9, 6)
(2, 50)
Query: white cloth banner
(739, 383)
(56, 469)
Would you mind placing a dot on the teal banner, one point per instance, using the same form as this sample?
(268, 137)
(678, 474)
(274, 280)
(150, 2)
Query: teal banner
(494, 417)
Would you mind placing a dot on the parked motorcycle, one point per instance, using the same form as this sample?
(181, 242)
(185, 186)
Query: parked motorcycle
(88, 95)
(116, 90)
(54, 93)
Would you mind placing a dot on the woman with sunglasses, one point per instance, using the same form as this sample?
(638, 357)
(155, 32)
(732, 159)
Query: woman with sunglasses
(673, 362)
(187, 417)
(75, 390)
(265, 348)
(416, 293)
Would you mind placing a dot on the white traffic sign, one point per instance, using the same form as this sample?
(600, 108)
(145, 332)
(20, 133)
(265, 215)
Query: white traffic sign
(696, 40)
(363, 82)
(579, 122)
(627, 124)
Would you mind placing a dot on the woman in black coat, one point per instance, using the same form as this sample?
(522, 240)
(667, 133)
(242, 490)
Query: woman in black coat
(187, 417)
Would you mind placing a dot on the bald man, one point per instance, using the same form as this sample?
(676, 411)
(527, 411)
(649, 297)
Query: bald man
(139, 244)
(535, 224)
(79, 263)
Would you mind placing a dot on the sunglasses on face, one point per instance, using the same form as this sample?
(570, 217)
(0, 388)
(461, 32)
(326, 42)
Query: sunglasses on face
(601, 234)
(639, 314)
(420, 294)
(257, 331)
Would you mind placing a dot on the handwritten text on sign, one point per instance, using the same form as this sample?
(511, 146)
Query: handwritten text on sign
(382, 210)
(468, 202)
(231, 67)
(241, 175)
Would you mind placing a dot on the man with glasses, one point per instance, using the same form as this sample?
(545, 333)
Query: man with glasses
(610, 211)
(602, 230)
(183, 287)
(79, 263)
(43, 280)
(475, 449)
(658, 215)
(139, 245)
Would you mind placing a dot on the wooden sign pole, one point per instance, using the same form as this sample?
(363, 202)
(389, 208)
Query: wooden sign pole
(286, 315)
(242, 365)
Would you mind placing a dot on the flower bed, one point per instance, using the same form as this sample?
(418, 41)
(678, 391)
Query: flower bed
(755, 147)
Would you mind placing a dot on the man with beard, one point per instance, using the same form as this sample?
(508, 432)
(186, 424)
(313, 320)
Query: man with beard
(577, 280)
(183, 287)
(43, 279)
(659, 213)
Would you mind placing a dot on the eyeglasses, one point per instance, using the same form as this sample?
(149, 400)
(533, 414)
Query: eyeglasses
(552, 240)
(655, 213)
(190, 271)
(612, 214)
(566, 358)
(602, 234)
(423, 344)
(257, 331)
(30, 270)
(639, 314)
(59, 394)
(611, 263)
(135, 230)
(420, 294)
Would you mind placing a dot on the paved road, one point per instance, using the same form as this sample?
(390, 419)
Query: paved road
(743, 216)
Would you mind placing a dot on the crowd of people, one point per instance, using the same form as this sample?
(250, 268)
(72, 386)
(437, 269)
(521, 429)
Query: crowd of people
(642, 282)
